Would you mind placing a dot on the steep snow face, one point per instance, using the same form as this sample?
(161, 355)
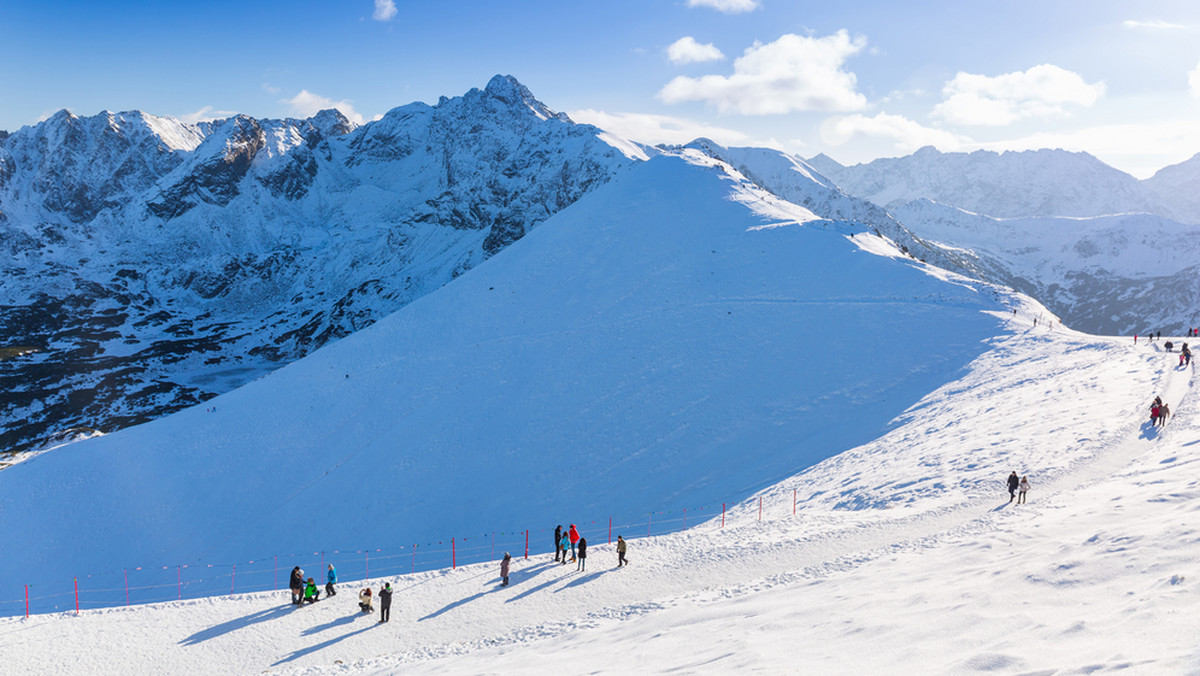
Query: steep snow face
(677, 336)
(1179, 187)
(1035, 183)
(1110, 275)
(153, 264)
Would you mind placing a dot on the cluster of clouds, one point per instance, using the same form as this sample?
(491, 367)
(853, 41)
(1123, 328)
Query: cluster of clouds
(811, 74)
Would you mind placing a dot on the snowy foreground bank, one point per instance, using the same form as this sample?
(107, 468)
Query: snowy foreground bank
(904, 557)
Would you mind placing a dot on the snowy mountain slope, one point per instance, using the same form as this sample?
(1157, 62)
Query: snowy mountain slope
(154, 264)
(1179, 186)
(932, 571)
(1035, 183)
(675, 337)
(1124, 274)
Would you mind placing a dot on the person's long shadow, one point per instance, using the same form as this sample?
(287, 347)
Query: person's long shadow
(297, 654)
(239, 623)
(583, 579)
(1149, 431)
(331, 624)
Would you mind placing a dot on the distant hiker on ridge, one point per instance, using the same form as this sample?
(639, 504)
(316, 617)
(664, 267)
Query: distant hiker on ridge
(1013, 482)
(1163, 412)
(1024, 488)
(504, 569)
(621, 546)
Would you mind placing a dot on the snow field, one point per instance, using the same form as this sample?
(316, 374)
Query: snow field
(1093, 574)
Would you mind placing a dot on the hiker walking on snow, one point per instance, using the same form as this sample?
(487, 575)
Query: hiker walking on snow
(330, 578)
(563, 544)
(385, 603)
(1013, 482)
(574, 535)
(557, 542)
(504, 569)
(621, 546)
(1024, 488)
(297, 585)
(1163, 412)
(582, 554)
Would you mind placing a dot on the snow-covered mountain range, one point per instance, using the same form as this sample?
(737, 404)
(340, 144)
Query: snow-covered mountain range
(151, 264)
(1027, 184)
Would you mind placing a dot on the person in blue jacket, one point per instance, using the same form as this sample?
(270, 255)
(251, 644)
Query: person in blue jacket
(330, 578)
(565, 543)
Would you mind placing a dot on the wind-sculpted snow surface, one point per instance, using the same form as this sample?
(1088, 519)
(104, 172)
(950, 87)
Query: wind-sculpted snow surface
(678, 336)
(154, 264)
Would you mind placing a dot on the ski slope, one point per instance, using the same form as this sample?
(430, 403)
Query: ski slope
(904, 557)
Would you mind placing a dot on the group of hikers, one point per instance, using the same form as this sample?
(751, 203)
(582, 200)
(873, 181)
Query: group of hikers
(570, 540)
(306, 591)
(1017, 488)
(1159, 412)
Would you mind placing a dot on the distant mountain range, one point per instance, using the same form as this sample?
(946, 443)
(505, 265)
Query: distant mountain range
(151, 264)
(1034, 183)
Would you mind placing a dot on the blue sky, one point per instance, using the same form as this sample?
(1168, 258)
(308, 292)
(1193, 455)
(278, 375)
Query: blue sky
(855, 80)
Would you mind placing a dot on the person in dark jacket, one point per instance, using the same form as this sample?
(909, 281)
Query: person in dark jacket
(582, 545)
(621, 552)
(504, 569)
(385, 602)
(1013, 482)
(330, 578)
(297, 585)
(557, 541)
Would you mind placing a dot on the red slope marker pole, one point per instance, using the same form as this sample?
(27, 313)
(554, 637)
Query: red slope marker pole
(760, 508)
(722, 515)
(126, 586)
(685, 518)
(77, 596)
(793, 502)
(414, 561)
(526, 544)
(179, 581)
(27, 601)
(367, 558)
(610, 530)
(232, 579)
(649, 522)
(275, 574)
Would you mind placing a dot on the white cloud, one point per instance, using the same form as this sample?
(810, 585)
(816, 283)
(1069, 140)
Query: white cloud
(1041, 91)
(655, 129)
(906, 134)
(1194, 81)
(1152, 24)
(687, 50)
(726, 6)
(306, 104)
(205, 114)
(793, 73)
(384, 10)
(269, 88)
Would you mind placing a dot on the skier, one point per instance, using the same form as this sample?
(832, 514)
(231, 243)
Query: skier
(1013, 482)
(364, 600)
(1024, 488)
(297, 585)
(563, 544)
(557, 541)
(504, 569)
(330, 578)
(385, 602)
(574, 534)
(621, 546)
(582, 554)
(311, 593)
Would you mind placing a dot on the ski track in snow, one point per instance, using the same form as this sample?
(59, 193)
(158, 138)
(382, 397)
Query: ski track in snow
(839, 590)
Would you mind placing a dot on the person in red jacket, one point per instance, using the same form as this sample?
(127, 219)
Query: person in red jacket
(574, 536)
